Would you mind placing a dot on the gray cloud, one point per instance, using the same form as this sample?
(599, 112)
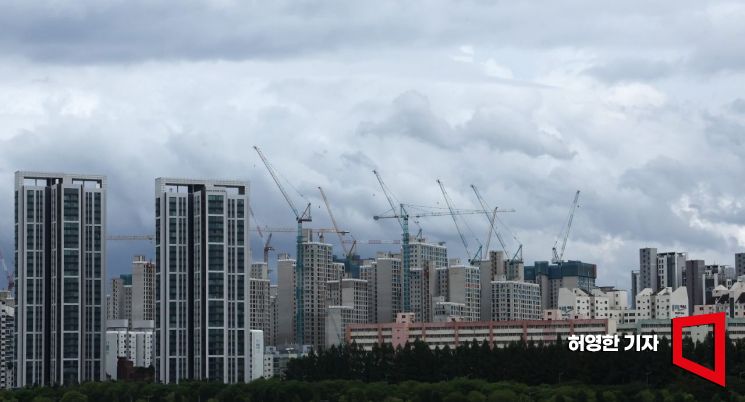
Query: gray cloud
(501, 129)
(631, 102)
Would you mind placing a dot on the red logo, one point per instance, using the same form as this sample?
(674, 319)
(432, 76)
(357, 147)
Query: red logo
(717, 375)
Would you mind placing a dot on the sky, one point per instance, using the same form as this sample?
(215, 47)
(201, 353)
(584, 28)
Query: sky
(637, 104)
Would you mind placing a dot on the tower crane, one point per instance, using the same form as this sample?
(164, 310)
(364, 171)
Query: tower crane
(348, 251)
(299, 271)
(449, 202)
(403, 220)
(493, 218)
(404, 216)
(267, 248)
(333, 222)
(564, 234)
(8, 274)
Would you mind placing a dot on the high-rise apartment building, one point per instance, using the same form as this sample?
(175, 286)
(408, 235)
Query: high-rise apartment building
(202, 287)
(422, 253)
(7, 342)
(695, 270)
(464, 286)
(367, 272)
(552, 277)
(317, 271)
(740, 264)
(421, 294)
(347, 304)
(260, 313)
(143, 289)
(60, 231)
(514, 300)
(648, 273)
(670, 269)
(120, 300)
(274, 312)
(389, 286)
(490, 270)
(634, 287)
(285, 300)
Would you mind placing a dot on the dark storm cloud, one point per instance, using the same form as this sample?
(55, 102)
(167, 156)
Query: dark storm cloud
(133, 31)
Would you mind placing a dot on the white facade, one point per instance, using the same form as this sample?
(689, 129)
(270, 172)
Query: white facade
(137, 344)
(347, 304)
(268, 363)
(448, 311)
(514, 300)
(464, 286)
(142, 296)
(665, 304)
(575, 303)
(256, 354)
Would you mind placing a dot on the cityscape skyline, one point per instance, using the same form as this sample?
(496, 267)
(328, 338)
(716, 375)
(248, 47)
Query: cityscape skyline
(283, 242)
(214, 311)
(626, 102)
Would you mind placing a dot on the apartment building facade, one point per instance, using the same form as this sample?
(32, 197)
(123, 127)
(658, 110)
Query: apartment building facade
(60, 254)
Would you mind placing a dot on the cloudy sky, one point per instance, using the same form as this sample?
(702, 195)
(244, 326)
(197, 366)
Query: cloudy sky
(638, 104)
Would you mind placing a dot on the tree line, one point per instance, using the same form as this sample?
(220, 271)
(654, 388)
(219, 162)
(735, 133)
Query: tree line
(471, 372)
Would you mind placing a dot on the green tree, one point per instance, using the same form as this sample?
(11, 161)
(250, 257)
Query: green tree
(73, 396)
(476, 396)
(502, 395)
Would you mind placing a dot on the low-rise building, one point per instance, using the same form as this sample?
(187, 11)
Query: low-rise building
(665, 304)
(280, 356)
(136, 344)
(453, 334)
(448, 311)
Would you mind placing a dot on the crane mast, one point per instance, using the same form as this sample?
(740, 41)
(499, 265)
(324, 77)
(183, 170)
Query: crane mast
(267, 249)
(333, 221)
(492, 223)
(299, 269)
(564, 234)
(9, 275)
(403, 220)
(452, 214)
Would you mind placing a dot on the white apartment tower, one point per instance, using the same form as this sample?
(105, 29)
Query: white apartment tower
(514, 300)
(317, 271)
(260, 313)
(202, 287)
(143, 289)
(464, 286)
(60, 254)
(490, 270)
(347, 304)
